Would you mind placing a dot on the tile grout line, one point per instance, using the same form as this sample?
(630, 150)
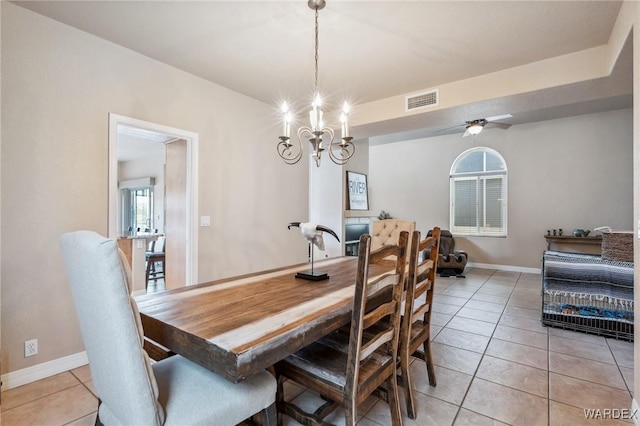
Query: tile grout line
(485, 354)
(459, 406)
(47, 395)
(473, 376)
(619, 368)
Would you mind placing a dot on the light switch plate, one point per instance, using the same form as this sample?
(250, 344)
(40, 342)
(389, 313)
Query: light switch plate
(205, 220)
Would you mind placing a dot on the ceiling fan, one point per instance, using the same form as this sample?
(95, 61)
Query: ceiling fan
(474, 127)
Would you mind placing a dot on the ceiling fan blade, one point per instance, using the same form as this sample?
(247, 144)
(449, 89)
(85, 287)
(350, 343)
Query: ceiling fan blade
(493, 124)
(450, 128)
(499, 117)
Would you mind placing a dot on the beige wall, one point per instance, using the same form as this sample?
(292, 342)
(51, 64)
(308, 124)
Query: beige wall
(58, 87)
(568, 173)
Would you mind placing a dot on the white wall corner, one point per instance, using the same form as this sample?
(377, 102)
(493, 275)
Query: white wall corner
(42, 371)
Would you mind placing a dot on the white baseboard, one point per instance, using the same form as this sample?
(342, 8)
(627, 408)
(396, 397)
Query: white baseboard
(508, 268)
(635, 412)
(44, 370)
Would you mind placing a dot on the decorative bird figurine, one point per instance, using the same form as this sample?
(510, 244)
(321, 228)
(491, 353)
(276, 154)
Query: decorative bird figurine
(313, 233)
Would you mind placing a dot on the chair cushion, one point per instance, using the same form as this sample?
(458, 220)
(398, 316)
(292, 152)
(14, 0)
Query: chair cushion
(193, 395)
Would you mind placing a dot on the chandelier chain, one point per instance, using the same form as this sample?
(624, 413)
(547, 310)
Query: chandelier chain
(316, 53)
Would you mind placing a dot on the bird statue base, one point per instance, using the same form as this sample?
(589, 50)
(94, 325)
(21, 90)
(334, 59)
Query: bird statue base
(313, 275)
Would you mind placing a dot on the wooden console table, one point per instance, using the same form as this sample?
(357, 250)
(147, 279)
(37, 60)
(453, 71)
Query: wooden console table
(571, 244)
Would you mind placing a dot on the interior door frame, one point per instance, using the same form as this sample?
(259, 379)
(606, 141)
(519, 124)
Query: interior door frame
(116, 120)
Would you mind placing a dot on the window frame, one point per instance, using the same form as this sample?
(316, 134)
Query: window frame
(130, 211)
(479, 229)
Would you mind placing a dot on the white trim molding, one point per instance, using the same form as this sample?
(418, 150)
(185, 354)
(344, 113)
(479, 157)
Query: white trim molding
(635, 412)
(42, 371)
(507, 268)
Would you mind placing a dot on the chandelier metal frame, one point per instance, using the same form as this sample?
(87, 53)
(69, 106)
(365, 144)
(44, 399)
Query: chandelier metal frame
(339, 152)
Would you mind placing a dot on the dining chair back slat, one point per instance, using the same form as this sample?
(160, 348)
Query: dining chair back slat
(373, 317)
(374, 344)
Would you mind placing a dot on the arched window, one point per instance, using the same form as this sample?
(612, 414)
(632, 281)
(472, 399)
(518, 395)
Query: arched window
(478, 183)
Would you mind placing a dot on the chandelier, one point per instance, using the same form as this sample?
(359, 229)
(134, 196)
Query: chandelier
(339, 152)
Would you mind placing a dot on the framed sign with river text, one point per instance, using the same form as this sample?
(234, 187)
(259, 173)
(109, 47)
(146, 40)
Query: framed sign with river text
(357, 192)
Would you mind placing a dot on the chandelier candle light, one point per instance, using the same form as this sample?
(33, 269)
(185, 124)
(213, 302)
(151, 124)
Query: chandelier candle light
(339, 152)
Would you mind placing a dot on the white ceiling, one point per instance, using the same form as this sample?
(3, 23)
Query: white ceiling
(135, 143)
(368, 50)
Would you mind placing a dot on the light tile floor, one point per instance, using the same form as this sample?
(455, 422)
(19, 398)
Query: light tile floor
(496, 364)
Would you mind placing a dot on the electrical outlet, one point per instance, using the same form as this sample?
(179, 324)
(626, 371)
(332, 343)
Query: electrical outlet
(30, 348)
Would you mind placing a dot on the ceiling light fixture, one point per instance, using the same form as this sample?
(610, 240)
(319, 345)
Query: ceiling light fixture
(340, 152)
(475, 127)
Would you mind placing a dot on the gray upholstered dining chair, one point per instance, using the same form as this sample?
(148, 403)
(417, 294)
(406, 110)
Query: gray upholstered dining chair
(132, 390)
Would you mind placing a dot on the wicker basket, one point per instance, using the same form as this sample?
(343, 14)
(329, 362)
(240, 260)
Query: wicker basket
(617, 246)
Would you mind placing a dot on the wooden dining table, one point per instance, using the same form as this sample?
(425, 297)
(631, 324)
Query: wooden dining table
(239, 326)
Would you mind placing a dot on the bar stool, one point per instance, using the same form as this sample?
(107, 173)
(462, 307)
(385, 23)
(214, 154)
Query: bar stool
(154, 256)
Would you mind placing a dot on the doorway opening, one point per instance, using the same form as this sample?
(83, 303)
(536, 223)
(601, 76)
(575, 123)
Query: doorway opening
(152, 203)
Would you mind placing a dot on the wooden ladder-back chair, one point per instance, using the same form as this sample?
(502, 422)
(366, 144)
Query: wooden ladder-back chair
(416, 319)
(346, 369)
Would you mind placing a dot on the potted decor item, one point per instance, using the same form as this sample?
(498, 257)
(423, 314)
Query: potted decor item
(581, 232)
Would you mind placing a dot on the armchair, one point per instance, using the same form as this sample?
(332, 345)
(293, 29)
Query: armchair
(450, 261)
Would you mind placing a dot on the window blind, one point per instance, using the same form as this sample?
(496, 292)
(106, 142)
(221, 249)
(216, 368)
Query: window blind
(478, 194)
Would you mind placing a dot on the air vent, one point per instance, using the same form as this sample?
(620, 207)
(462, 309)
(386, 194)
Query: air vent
(422, 100)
